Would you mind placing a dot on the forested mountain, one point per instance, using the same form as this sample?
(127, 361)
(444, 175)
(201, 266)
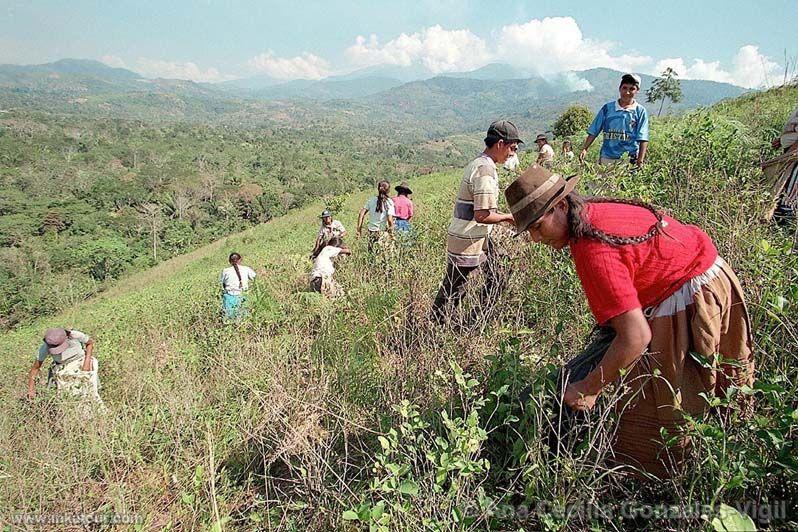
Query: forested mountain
(437, 106)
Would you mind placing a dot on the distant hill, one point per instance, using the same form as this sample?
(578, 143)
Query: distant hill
(375, 96)
(493, 71)
(75, 76)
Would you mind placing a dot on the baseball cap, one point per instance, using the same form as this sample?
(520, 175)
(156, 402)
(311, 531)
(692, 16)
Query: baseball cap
(633, 79)
(504, 130)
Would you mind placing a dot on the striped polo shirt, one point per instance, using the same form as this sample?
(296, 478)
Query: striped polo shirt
(466, 240)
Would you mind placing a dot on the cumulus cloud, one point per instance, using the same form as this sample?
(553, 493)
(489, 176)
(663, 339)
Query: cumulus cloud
(158, 68)
(437, 49)
(555, 44)
(305, 66)
(749, 68)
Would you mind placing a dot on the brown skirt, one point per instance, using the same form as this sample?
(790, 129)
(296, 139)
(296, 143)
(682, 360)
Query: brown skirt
(667, 380)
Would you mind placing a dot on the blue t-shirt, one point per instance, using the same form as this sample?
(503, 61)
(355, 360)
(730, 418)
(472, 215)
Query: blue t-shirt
(623, 129)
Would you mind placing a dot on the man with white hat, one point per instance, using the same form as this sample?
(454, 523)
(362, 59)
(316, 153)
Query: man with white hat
(624, 123)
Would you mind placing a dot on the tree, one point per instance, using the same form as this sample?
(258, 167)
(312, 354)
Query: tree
(151, 218)
(665, 87)
(575, 119)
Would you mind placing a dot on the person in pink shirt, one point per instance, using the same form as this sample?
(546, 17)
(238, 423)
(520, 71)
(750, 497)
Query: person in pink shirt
(403, 206)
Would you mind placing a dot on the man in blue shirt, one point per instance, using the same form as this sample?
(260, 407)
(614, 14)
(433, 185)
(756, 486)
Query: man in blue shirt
(625, 126)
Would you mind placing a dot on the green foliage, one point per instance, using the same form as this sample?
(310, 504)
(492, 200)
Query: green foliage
(286, 419)
(667, 87)
(574, 120)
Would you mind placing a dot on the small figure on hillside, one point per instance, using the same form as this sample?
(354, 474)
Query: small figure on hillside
(380, 209)
(786, 170)
(329, 228)
(512, 163)
(235, 282)
(668, 305)
(403, 208)
(545, 151)
(625, 126)
(321, 278)
(468, 242)
(74, 369)
(567, 151)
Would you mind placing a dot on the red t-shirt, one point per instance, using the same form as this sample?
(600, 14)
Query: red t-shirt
(617, 279)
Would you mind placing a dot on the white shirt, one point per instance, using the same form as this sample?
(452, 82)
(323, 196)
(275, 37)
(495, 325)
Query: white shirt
(230, 282)
(378, 221)
(547, 152)
(336, 228)
(323, 265)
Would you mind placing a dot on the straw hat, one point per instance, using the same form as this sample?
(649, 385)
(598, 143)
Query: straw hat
(534, 192)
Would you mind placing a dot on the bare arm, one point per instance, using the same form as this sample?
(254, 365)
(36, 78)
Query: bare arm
(641, 155)
(588, 141)
(360, 218)
(390, 223)
(87, 357)
(486, 216)
(32, 374)
(632, 336)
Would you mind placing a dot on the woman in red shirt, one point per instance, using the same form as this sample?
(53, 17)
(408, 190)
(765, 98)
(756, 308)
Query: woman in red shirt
(661, 287)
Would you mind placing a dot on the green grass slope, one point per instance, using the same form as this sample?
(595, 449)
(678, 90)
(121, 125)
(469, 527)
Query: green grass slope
(355, 413)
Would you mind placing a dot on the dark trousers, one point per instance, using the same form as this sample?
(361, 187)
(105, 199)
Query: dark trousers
(453, 285)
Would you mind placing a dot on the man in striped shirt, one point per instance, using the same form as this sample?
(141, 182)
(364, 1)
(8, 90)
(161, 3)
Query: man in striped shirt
(468, 244)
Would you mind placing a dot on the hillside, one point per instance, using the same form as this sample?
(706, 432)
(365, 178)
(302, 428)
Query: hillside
(381, 98)
(320, 415)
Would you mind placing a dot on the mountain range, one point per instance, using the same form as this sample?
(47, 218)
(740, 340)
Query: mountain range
(394, 99)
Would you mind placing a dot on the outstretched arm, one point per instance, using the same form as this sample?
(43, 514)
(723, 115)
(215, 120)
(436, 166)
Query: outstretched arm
(641, 154)
(588, 141)
(32, 374)
(360, 218)
(632, 336)
(87, 358)
(486, 216)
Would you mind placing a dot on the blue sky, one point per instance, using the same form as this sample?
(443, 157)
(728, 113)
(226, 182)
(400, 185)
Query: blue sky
(211, 40)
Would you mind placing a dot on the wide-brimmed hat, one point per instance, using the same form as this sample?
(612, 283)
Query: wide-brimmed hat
(57, 340)
(534, 192)
(541, 137)
(325, 214)
(404, 185)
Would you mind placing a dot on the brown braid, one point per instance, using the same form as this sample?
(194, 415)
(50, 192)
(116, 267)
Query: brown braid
(580, 227)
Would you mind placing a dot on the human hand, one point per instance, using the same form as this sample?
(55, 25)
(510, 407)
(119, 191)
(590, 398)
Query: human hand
(578, 398)
(582, 155)
(776, 143)
(31, 394)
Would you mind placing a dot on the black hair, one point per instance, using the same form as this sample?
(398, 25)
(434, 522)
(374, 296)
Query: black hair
(234, 259)
(491, 141)
(383, 187)
(580, 227)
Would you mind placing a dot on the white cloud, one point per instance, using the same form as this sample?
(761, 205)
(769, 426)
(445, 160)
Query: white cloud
(113, 61)
(750, 69)
(305, 66)
(437, 49)
(556, 44)
(158, 68)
